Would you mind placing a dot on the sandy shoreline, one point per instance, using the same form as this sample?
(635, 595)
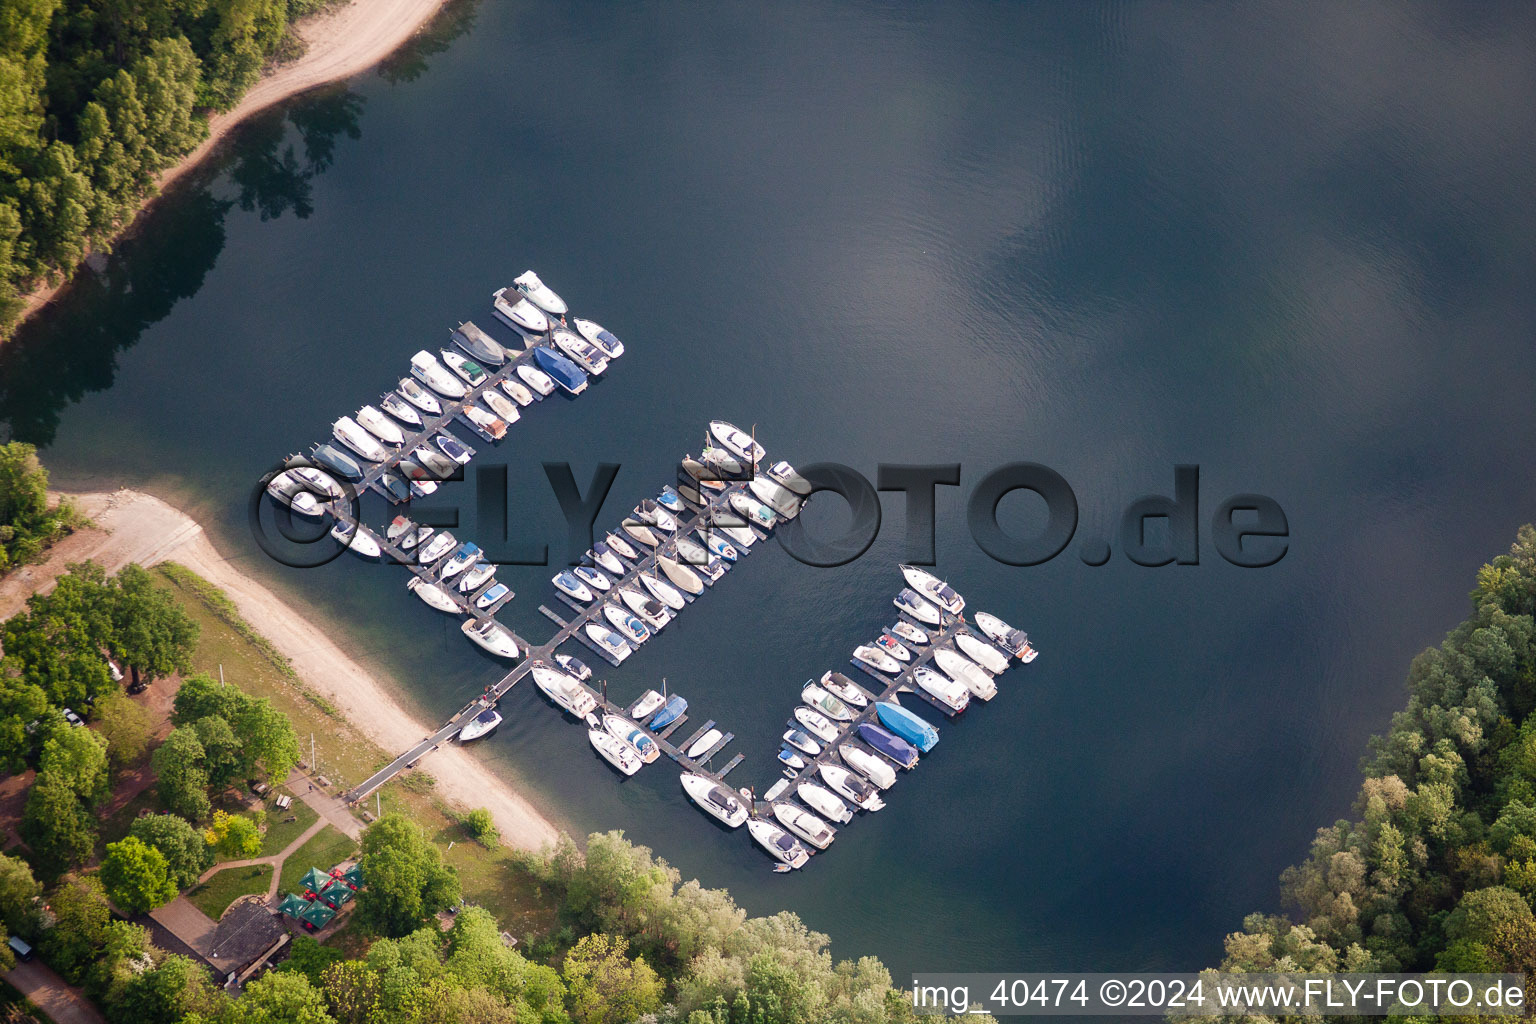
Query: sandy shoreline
(340, 44)
(137, 527)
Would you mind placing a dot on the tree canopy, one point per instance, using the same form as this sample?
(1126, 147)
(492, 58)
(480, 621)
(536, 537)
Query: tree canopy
(407, 879)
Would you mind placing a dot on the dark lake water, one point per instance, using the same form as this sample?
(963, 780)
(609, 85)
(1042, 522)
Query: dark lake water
(1293, 245)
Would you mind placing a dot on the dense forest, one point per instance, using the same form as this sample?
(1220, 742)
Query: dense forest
(96, 98)
(28, 522)
(1438, 868)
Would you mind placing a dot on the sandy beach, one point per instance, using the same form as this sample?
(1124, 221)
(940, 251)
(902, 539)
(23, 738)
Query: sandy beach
(137, 527)
(339, 44)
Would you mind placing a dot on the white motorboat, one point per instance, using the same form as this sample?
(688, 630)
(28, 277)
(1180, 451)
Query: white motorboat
(621, 546)
(1014, 641)
(436, 548)
(573, 666)
(477, 576)
(933, 589)
(565, 691)
(429, 371)
(405, 534)
(682, 576)
(724, 465)
(380, 426)
(867, 765)
(515, 391)
(466, 555)
(453, 448)
(419, 396)
(982, 653)
(941, 688)
(805, 825)
(649, 610)
(815, 697)
(691, 552)
(844, 689)
(737, 441)
(469, 371)
(568, 584)
(877, 658)
(488, 719)
(490, 635)
(908, 632)
(290, 490)
(783, 501)
(650, 512)
(697, 748)
(851, 786)
(783, 474)
(754, 511)
(639, 532)
(724, 804)
(615, 751)
(632, 628)
(400, 409)
(351, 434)
(895, 648)
(434, 595)
(965, 671)
(717, 544)
(623, 729)
(536, 379)
(434, 462)
(606, 639)
(318, 482)
(606, 559)
(663, 591)
(649, 703)
(781, 846)
(540, 294)
(802, 741)
(824, 802)
(501, 405)
(733, 526)
(593, 578)
(612, 347)
(422, 482)
(909, 602)
(581, 351)
(490, 595)
(816, 724)
(510, 305)
(486, 349)
(354, 540)
(488, 424)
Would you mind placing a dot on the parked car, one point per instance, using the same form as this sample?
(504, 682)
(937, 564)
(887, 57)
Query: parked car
(72, 718)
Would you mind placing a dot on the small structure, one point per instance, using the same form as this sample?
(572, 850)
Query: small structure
(316, 915)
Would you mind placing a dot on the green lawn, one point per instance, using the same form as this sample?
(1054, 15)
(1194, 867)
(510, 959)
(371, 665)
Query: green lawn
(281, 832)
(223, 888)
(325, 850)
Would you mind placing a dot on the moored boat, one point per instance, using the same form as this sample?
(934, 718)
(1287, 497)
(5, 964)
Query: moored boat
(953, 695)
(781, 846)
(606, 639)
(564, 372)
(801, 741)
(580, 351)
(287, 489)
(429, 371)
(436, 548)
(574, 666)
(514, 308)
(453, 448)
(615, 751)
(982, 653)
(491, 595)
(639, 532)
(536, 378)
(434, 595)
(816, 724)
(815, 697)
(663, 591)
(888, 745)
(851, 786)
(783, 474)
(805, 825)
(490, 635)
(737, 441)
(612, 347)
(623, 729)
(593, 578)
(698, 747)
(877, 658)
(670, 712)
(783, 501)
(933, 589)
(540, 294)
(720, 802)
(464, 556)
(1014, 641)
(909, 602)
(895, 648)
(621, 546)
(867, 765)
(400, 409)
(476, 576)
(356, 541)
(718, 545)
(647, 705)
(965, 671)
(478, 344)
(488, 719)
(565, 691)
(567, 583)
(844, 689)
(405, 534)
(915, 730)
(789, 759)
(419, 396)
(337, 462)
(682, 576)
(469, 371)
(603, 555)
(908, 632)
(503, 407)
(649, 511)
(754, 511)
(632, 628)
(517, 392)
(350, 433)
(824, 802)
(649, 610)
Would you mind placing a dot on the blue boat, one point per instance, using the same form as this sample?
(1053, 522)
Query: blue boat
(670, 499)
(907, 725)
(565, 373)
(888, 745)
(670, 712)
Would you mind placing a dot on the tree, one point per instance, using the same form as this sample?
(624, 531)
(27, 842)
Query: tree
(281, 997)
(606, 986)
(21, 704)
(187, 854)
(168, 992)
(181, 781)
(352, 990)
(80, 912)
(136, 876)
(77, 758)
(222, 758)
(233, 835)
(407, 880)
(27, 523)
(126, 725)
(151, 633)
(56, 825)
(18, 896)
(267, 741)
(483, 827)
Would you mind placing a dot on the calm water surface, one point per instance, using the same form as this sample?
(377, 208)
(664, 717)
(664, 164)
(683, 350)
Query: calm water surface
(1294, 246)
